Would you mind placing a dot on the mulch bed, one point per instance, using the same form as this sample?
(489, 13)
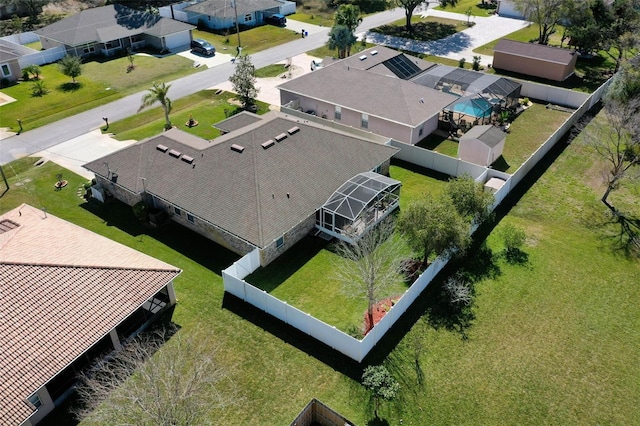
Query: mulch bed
(379, 311)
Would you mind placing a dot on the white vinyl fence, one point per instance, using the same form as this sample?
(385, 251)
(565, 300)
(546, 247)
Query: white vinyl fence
(359, 349)
(30, 56)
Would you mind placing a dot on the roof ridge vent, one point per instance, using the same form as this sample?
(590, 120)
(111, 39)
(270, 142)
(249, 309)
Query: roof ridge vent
(162, 148)
(373, 52)
(281, 137)
(268, 143)
(237, 148)
(175, 153)
(293, 130)
(187, 159)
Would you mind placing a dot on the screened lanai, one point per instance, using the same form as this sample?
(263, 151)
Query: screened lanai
(480, 94)
(357, 205)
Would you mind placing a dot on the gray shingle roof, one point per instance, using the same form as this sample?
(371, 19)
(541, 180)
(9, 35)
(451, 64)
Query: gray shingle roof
(224, 8)
(487, 134)
(107, 23)
(246, 193)
(238, 121)
(374, 94)
(535, 51)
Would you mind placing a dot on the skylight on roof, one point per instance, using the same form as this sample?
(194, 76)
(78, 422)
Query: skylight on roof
(187, 159)
(363, 57)
(268, 143)
(374, 52)
(281, 137)
(237, 148)
(175, 153)
(293, 130)
(162, 148)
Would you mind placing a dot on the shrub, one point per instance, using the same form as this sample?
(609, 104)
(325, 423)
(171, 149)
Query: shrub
(461, 62)
(39, 89)
(140, 211)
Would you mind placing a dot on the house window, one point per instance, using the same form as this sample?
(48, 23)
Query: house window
(377, 169)
(280, 242)
(35, 400)
(89, 48)
(112, 44)
(177, 211)
(6, 71)
(248, 18)
(338, 113)
(190, 218)
(365, 121)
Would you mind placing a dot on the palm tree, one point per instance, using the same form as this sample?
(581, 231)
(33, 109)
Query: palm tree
(158, 93)
(341, 38)
(349, 16)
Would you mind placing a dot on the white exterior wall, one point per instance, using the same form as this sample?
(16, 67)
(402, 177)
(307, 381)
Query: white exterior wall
(177, 40)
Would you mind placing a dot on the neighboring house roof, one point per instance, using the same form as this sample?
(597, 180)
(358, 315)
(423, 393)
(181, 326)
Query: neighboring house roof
(386, 61)
(487, 134)
(379, 95)
(10, 51)
(535, 51)
(107, 23)
(258, 194)
(224, 8)
(238, 121)
(63, 289)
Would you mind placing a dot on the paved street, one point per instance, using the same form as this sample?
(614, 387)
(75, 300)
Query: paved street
(69, 129)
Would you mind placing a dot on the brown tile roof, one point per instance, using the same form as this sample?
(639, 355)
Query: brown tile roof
(535, 51)
(54, 307)
(375, 94)
(246, 193)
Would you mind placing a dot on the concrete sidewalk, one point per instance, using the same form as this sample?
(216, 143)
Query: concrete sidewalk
(459, 45)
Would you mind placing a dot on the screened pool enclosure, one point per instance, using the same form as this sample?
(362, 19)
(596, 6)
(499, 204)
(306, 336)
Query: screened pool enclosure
(359, 204)
(481, 95)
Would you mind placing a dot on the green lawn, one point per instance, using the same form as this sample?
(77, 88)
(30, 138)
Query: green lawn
(323, 20)
(428, 29)
(528, 131)
(477, 8)
(552, 340)
(253, 40)
(324, 51)
(206, 107)
(273, 70)
(101, 82)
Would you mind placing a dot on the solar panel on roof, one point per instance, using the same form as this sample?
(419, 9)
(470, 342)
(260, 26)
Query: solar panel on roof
(402, 67)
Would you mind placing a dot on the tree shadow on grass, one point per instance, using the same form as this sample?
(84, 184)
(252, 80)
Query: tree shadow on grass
(70, 87)
(515, 256)
(422, 31)
(623, 233)
(378, 422)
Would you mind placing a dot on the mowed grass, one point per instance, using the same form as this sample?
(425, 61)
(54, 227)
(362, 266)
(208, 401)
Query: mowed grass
(527, 133)
(101, 82)
(553, 340)
(477, 8)
(206, 107)
(253, 40)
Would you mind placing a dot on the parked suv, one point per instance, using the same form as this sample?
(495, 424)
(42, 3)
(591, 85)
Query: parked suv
(277, 19)
(203, 47)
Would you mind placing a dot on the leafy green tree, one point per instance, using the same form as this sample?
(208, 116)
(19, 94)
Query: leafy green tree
(544, 13)
(513, 238)
(158, 93)
(38, 89)
(623, 32)
(34, 70)
(71, 66)
(381, 385)
(469, 198)
(341, 38)
(244, 81)
(587, 23)
(433, 226)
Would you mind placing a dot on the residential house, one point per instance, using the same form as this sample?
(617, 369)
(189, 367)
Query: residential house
(258, 186)
(537, 60)
(221, 14)
(482, 145)
(68, 296)
(10, 70)
(371, 91)
(109, 29)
